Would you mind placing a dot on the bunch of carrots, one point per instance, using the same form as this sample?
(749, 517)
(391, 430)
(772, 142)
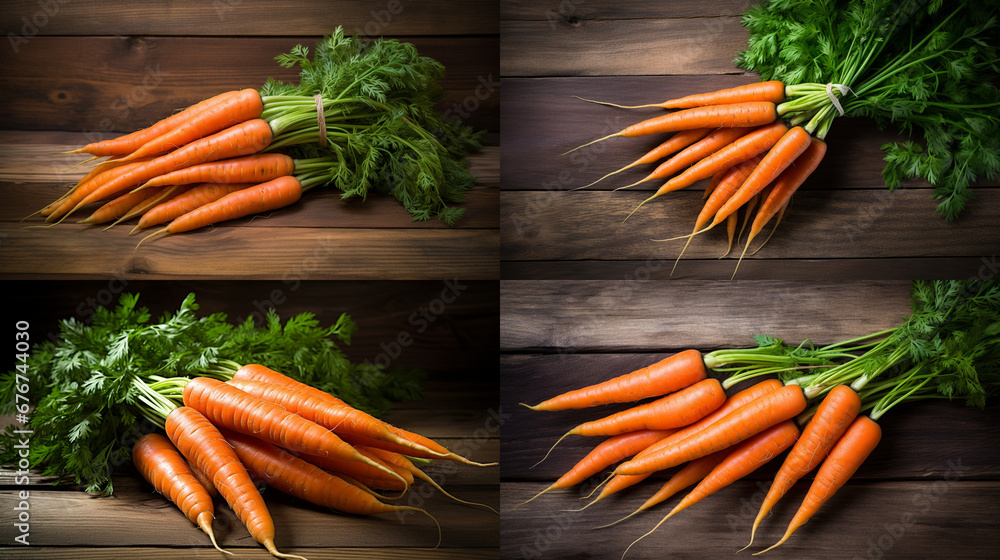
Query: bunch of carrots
(362, 119)
(243, 423)
(812, 410)
(737, 138)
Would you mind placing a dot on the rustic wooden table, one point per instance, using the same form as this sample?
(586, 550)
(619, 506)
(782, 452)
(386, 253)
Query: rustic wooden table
(95, 69)
(929, 490)
(842, 222)
(458, 350)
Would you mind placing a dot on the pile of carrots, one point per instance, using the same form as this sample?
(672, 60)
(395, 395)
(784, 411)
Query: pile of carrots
(252, 423)
(720, 438)
(737, 139)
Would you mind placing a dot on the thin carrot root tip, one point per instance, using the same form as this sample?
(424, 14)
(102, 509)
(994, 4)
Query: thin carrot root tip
(164, 230)
(205, 522)
(528, 406)
(529, 499)
(775, 545)
(551, 448)
(637, 208)
(423, 476)
(592, 142)
(609, 104)
(425, 512)
(613, 523)
(269, 545)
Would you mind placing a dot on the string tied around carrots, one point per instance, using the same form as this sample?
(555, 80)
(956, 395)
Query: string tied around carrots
(833, 98)
(321, 119)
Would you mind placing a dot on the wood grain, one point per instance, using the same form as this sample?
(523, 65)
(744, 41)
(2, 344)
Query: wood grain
(583, 47)
(254, 17)
(192, 553)
(894, 520)
(111, 84)
(919, 440)
(595, 316)
(547, 10)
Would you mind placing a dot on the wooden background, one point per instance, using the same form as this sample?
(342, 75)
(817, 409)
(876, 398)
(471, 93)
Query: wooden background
(459, 351)
(843, 222)
(92, 70)
(929, 490)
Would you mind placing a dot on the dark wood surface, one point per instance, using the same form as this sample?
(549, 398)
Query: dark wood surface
(931, 474)
(843, 224)
(461, 410)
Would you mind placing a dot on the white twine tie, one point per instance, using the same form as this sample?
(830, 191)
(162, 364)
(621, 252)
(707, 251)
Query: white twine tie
(833, 98)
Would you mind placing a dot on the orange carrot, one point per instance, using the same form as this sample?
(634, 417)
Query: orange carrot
(197, 196)
(114, 209)
(782, 155)
(257, 168)
(773, 91)
(242, 139)
(228, 407)
(203, 479)
(715, 141)
(606, 453)
(672, 411)
(666, 376)
(676, 143)
(845, 458)
(341, 419)
(833, 416)
(202, 444)
(741, 461)
(733, 403)
(228, 110)
(692, 473)
(165, 194)
(787, 183)
(737, 426)
(159, 462)
(75, 197)
(259, 198)
(744, 148)
(754, 113)
(124, 145)
(374, 477)
(716, 179)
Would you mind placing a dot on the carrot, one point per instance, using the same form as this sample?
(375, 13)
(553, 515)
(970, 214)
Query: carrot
(341, 419)
(228, 407)
(401, 461)
(248, 137)
(786, 184)
(838, 409)
(124, 145)
(666, 376)
(139, 209)
(248, 169)
(755, 113)
(198, 195)
(297, 477)
(158, 461)
(229, 109)
(259, 198)
(730, 233)
(75, 197)
(773, 91)
(417, 445)
(203, 445)
(204, 480)
(616, 483)
(606, 453)
(844, 459)
(672, 411)
(114, 209)
(742, 149)
(716, 179)
(733, 403)
(94, 172)
(374, 477)
(715, 141)
(741, 461)
(741, 424)
(692, 473)
(676, 143)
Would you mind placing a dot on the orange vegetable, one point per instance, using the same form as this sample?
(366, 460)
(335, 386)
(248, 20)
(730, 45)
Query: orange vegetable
(773, 91)
(718, 139)
(257, 168)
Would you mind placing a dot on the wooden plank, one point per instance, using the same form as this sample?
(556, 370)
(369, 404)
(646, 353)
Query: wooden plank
(578, 225)
(597, 316)
(106, 84)
(459, 336)
(952, 518)
(541, 120)
(550, 10)
(760, 269)
(141, 518)
(583, 47)
(277, 253)
(247, 17)
(919, 440)
(190, 553)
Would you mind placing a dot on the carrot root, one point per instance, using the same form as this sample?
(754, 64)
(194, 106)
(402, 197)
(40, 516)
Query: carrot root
(205, 522)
